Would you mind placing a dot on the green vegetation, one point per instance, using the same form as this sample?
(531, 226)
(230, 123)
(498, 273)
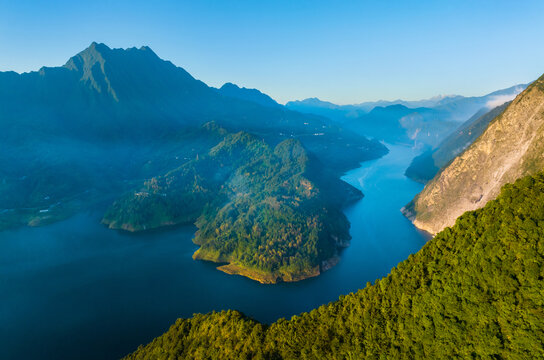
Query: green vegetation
(474, 291)
(271, 214)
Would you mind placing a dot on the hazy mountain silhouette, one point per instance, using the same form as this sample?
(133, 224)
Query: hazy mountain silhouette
(424, 122)
(253, 95)
(134, 86)
(464, 105)
(400, 124)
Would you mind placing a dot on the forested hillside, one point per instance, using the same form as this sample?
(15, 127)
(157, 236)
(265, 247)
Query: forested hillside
(272, 214)
(474, 291)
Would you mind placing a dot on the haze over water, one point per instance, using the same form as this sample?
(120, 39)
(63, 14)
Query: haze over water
(75, 289)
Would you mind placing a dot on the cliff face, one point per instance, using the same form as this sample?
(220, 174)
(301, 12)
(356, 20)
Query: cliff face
(512, 146)
(425, 166)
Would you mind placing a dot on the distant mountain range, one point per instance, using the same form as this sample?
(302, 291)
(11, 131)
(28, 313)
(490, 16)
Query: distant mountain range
(423, 123)
(496, 98)
(419, 127)
(314, 105)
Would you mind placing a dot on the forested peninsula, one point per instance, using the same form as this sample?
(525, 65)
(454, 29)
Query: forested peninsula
(269, 213)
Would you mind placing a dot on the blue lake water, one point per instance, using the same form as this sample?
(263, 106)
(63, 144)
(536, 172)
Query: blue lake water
(76, 290)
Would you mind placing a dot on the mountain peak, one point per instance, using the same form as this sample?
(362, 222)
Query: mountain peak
(146, 48)
(95, 48)
(89, 63)
(91, 55)
(234, 91)
(106, 70)
(314, 101)
(229, 85)
(99, 52)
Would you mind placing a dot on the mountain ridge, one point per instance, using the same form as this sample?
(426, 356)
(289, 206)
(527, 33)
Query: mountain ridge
(127, 114)
(432, 102)
(253, 95)
(422, 124)
(425, 166)
(511, 146)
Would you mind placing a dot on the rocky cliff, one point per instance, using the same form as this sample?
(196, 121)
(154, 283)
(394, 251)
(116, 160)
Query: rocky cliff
(425, 166)
(512, 146)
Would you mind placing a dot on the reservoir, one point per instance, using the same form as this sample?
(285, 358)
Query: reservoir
(77, 290)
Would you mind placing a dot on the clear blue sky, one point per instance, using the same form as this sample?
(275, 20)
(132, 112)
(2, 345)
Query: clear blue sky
(342, 51)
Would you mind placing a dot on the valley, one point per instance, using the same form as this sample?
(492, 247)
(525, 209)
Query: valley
(260, 182)
(132, 286)
(271, 180)
(120, 169)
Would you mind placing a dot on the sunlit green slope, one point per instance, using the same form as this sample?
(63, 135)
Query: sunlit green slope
(476, 291)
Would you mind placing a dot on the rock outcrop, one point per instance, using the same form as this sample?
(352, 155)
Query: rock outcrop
(512, 146)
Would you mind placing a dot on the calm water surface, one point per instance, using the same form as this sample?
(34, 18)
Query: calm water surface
(76, 290)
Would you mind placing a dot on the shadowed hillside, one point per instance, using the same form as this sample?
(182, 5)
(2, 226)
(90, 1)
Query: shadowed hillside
(86, 132)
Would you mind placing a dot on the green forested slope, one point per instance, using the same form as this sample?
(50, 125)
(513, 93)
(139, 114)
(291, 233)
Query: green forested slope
(271, 214)
(476, 290)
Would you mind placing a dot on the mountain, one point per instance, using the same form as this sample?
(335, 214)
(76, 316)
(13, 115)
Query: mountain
(462, 108)
(123, 94)
(423, 123)
(134, 86)
(253, 95)
(87, 131)
(473, 291)
(425, 166)
(510, 147)
(338, 113)
(400, 124)
(137, 88)
(313, 105)
(269, 214)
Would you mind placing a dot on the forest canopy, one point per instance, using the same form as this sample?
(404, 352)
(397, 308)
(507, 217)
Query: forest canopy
(474, 291)
(268, 213)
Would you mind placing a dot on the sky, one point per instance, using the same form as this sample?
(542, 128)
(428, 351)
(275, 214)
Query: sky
(340, 51)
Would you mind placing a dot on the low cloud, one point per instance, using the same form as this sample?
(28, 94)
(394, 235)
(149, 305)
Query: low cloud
(498, 100)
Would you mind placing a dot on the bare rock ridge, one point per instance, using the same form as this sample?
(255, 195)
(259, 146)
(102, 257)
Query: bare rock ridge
(512, 146)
